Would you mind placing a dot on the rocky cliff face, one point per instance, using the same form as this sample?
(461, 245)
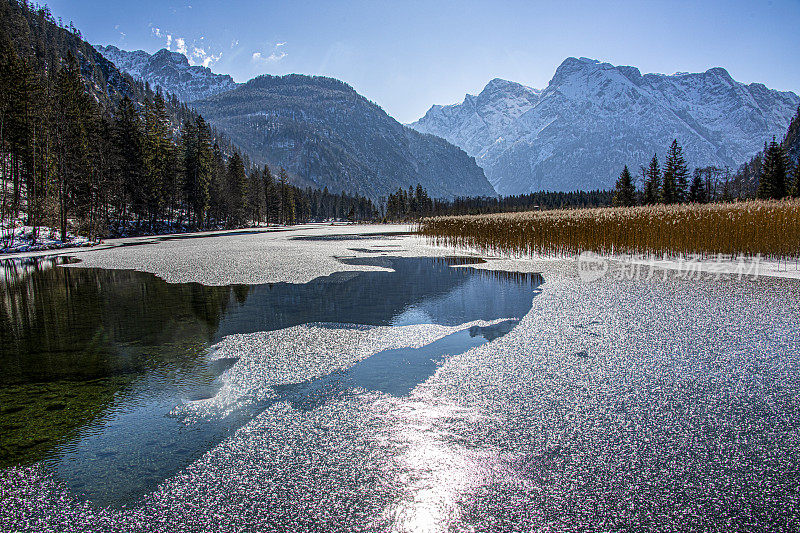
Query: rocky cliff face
(594, 117)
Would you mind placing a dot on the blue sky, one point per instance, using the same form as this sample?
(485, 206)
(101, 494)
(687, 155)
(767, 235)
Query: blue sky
(407, 55)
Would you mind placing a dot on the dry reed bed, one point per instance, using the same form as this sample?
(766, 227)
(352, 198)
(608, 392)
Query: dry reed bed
(767, 228)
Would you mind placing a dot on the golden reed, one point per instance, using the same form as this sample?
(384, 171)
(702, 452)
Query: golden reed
(768, 228)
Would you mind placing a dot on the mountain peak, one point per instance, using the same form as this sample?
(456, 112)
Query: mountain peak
(174, 57)
(720, 72)
(595, 117)
(574, 63)
(171, 71)
(500, 88)
(572, 66)
(499, 83)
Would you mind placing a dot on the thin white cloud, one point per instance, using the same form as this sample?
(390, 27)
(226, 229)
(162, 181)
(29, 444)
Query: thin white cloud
(201, 57)
(275, 55)
(195, 51)
(208, 61)
(180, 46)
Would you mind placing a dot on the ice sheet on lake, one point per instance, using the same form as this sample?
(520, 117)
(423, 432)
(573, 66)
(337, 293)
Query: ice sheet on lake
(298, 354)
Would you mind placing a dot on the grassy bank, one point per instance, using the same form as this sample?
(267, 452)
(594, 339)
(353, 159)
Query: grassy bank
(768, 228)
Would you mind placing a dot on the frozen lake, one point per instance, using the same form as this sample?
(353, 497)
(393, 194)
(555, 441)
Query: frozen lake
(355, 378)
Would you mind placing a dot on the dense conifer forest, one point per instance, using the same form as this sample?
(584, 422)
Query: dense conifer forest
(85, 148)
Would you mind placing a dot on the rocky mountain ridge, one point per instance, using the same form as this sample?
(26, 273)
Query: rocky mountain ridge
(595, 117)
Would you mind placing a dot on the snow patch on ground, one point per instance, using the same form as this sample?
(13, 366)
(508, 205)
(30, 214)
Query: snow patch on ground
(27, 239)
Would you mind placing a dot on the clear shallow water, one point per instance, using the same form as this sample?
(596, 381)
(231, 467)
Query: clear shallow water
(116, 351)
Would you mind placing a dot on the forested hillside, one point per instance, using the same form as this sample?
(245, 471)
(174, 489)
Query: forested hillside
(792, 140)
(327, 134)
(84, 147)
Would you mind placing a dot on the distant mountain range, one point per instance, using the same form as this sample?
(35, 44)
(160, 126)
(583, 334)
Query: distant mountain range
(171, 71)
(319, 129)
(577, 133)
(594, 117)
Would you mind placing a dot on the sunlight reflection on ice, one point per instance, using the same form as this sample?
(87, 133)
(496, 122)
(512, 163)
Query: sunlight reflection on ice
(435, 470)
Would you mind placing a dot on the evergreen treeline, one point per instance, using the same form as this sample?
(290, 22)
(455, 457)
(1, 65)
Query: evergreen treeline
(415, 203)
(773, 172)
(769, 175)
(124, 158)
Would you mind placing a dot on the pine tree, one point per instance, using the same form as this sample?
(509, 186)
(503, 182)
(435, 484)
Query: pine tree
(188, 155)
(197, 158)
(98, 182)
(128, 139)
(71, 140)
(237, 191)
(205, 168)
(29, 92)
(796, 187)
(652, 189)
(256, 200)
(697, 191)
(218, 208)
(676, 174)
(21, 95)
(774, 172)
(271, 197)
(287, 198)
(159, 182)
(625, 190)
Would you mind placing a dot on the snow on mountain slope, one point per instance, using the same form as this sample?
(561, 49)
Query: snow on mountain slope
(594, 117)
(170, 71)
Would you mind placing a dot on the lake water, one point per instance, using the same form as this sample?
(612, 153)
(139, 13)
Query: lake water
(94, 362)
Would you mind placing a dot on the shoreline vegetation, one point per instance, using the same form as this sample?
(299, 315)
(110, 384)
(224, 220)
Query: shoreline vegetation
(766, 228)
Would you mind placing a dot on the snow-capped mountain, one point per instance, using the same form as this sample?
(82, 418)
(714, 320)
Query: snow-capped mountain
(319, 129)
(171, 71)
(594, 117)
